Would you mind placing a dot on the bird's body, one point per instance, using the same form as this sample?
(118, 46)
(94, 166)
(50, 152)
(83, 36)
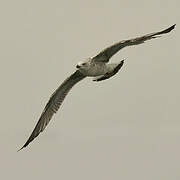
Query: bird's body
(93, 69)
(97, 67)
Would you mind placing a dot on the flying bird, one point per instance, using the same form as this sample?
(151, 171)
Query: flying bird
(97, 67)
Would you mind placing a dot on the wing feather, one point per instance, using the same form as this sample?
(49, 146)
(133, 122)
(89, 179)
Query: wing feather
(107, 53)
(53, 104)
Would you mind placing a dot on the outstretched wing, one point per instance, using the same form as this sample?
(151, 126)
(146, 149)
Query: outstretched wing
(54, 103)
(107, 53)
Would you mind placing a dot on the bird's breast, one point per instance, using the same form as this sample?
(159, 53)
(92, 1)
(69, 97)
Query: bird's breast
(94, 70)
(97, 70)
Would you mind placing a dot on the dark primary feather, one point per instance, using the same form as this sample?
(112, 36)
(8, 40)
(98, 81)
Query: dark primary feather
(53, 104)
(107, 53)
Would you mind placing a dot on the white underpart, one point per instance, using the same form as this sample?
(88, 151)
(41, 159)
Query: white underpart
(94, 69)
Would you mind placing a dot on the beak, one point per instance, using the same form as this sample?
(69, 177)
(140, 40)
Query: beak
(77, 66)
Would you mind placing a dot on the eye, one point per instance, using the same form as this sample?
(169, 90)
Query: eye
(83, 64)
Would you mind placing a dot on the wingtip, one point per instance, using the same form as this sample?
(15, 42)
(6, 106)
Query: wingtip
(122, 61)
(171, 28)
(166, 30)
(20, 148)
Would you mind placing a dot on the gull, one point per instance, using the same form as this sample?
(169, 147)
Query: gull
(97, 67)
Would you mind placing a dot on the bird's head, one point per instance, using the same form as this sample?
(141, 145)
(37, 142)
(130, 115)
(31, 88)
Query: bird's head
(83, 65)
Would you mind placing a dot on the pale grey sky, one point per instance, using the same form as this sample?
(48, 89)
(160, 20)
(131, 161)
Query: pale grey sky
(127, 127)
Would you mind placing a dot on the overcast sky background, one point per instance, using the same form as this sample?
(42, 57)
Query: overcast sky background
(127, 127)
